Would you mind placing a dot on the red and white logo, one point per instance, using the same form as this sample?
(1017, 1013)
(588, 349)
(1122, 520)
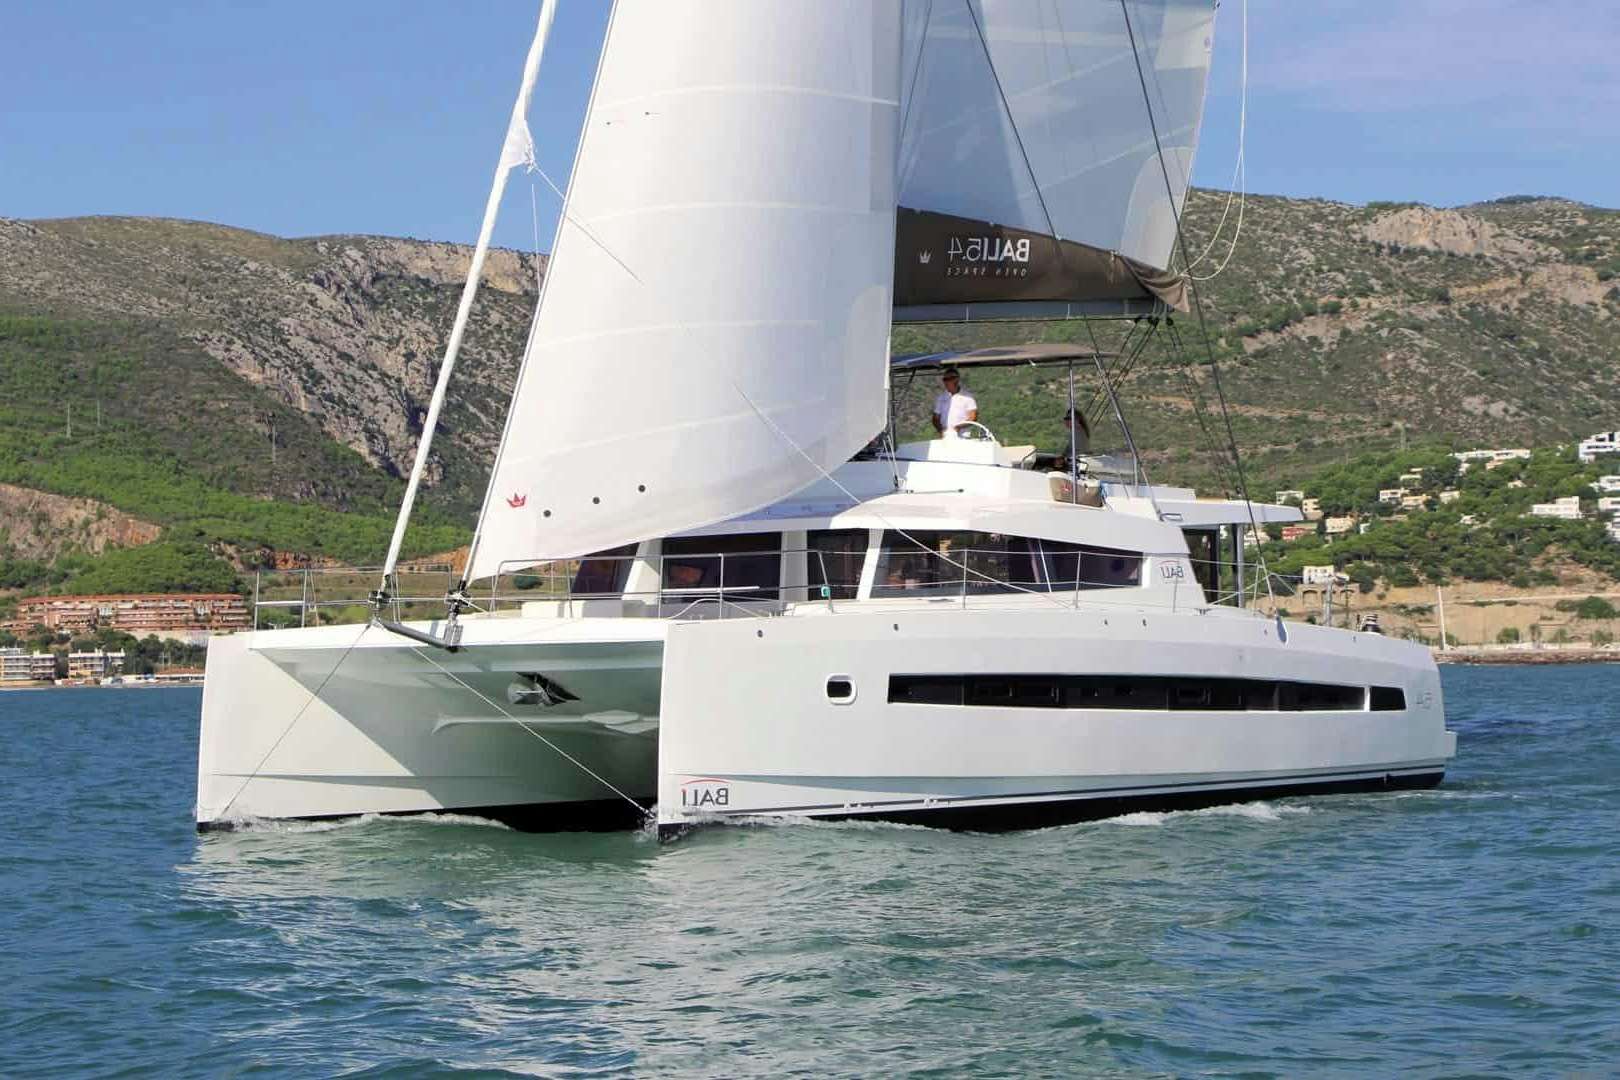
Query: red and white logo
(517, 501)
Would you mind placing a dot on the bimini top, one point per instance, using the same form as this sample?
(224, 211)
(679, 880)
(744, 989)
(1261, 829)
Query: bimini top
(1041, 355)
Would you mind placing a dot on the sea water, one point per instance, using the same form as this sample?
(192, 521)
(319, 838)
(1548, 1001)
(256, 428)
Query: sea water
(1471, 929)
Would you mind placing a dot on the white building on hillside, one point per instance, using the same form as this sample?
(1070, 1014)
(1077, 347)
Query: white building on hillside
(1604, 442)
(1608, 485)
(1568, 508)
(1339, 526)
(1284, 496)
(20, 665)
(1392, 496)
(1492, 458)
(1609, 504)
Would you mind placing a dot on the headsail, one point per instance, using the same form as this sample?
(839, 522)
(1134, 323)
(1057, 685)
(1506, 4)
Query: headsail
(1029, 179)
(712, 329)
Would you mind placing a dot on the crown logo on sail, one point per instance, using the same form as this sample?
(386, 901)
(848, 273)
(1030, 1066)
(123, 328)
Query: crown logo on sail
(517, 501)
(924, 257)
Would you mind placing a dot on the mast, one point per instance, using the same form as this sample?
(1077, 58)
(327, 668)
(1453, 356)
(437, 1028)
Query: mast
(516, 149)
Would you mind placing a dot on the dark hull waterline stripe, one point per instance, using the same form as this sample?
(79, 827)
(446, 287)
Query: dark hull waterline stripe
(1081, 793)
(964, 813)
(592, 815)
(1067, 808)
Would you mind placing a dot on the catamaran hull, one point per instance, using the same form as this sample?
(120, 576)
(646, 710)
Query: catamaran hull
(837, 746)
(557, 733)
(793, 716)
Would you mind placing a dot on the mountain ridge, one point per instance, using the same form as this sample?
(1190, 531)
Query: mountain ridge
(296, 372)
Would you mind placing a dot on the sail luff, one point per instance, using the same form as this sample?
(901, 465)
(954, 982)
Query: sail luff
(516, 149)
(540, 300)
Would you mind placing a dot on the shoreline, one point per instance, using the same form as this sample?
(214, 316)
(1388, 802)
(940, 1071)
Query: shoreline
(1476, 655)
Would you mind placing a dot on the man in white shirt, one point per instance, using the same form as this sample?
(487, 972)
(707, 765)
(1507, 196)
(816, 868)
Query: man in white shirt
(954, 406)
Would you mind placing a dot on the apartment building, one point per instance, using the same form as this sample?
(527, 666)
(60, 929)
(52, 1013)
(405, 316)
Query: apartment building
(95, 665)
(20, 665)
(163, 614)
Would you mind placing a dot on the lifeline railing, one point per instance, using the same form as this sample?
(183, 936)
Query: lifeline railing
(321, 595)
(706, 585)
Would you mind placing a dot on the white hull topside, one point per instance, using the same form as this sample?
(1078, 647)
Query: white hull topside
(729, 717)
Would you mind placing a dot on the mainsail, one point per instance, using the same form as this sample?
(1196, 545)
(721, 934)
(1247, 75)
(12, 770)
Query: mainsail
(712, 330)
(1030, 178)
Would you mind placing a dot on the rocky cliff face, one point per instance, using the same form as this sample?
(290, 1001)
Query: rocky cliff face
(1452, 232)
(1338, 326)
(348, 330)
(40, 526)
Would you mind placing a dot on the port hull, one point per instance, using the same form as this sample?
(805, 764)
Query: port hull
(838, 744)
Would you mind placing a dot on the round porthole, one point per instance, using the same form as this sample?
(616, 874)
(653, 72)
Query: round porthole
(840, 689)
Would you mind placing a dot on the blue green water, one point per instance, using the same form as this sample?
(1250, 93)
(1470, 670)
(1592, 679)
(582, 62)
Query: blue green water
(1469, 930)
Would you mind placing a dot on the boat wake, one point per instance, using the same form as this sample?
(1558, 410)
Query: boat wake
(1254, 811)
(292, 828)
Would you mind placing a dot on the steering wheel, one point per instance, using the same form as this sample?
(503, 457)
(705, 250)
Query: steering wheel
(972, 429)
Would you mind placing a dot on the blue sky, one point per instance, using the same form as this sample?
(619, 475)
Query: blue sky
(300, 118)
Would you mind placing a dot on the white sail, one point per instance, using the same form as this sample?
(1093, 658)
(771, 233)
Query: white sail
(1026, 120)
(712, 329)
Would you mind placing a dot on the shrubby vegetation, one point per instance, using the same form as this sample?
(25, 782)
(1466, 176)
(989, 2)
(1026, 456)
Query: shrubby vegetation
(167, 435)
(1434, 545)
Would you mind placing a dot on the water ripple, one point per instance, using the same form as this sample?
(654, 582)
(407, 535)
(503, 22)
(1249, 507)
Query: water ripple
(1468, 930)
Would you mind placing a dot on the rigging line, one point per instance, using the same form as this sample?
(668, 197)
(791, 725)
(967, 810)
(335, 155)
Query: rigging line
(580, 225)
(1126, 365)
(1240, 170)
(1195, 396)
(299, 715)
(1130, 440)
(1125, 358)
(1198, 301)
(1012, 122)
(586, 769)
(916, 72)
(534, 217)
(887, 524)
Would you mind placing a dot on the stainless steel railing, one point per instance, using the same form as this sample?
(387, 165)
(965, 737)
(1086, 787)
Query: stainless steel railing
(763, 584)
(316, 596)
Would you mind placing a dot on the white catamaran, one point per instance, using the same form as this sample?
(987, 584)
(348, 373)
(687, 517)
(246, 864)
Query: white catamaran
(769, 612)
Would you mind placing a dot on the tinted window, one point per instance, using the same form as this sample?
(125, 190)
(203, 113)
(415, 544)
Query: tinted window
(977, 563)
(1388, 698)
(746, 567)
(1071, 566)
(1203, 546)
(840, 552)
(604, 573)
(1130, 692)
